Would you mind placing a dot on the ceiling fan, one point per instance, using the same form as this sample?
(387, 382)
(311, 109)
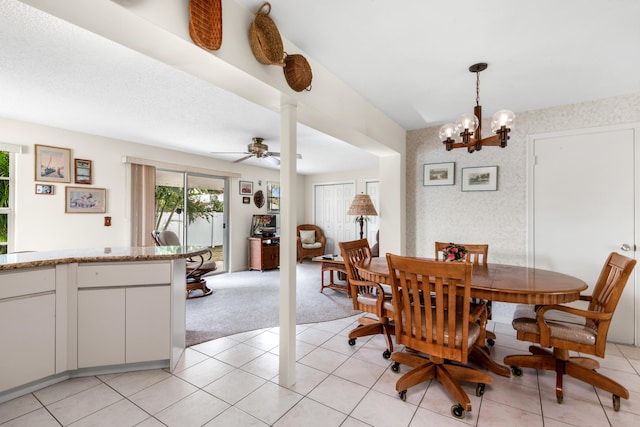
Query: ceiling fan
(259, 150)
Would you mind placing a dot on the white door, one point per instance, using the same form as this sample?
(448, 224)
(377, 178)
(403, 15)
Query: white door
(583, 208)
(332, 202)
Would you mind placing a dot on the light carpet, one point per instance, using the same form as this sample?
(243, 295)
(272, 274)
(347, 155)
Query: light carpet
(249, 300)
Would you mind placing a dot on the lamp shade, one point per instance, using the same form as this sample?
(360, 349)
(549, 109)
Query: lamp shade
(362, 206)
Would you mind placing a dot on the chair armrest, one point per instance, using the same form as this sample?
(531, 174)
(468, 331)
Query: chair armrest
(359, 287)
(323, 240)
(545, 335)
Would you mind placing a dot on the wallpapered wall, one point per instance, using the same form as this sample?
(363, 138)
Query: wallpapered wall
(499, 218)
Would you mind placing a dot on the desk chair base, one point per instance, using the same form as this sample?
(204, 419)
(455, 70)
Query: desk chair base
(582, 368)
(368, 326)
(446, 373)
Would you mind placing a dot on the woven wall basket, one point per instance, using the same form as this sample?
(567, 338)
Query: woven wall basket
(205, 23)
(264, 37)
(297, 72)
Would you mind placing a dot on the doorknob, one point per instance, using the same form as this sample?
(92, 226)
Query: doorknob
(625, 247)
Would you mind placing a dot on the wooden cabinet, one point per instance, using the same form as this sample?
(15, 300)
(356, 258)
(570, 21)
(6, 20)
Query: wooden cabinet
(264, 253)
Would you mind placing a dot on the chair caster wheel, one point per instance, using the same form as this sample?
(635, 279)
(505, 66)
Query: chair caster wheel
(457, 411)
(480, 389)
(491, 342)
(516, 371)
(395, 367)
(403, 395)
(559, 399)
(616, 403)
(352, 341)
(386, 354)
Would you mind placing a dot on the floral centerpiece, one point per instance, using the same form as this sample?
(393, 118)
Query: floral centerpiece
(453, 252)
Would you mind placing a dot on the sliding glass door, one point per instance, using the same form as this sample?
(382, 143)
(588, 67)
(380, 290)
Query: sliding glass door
(194, 207)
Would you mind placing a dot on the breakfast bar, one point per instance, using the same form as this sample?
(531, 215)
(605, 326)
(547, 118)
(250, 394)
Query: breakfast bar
(80, 312)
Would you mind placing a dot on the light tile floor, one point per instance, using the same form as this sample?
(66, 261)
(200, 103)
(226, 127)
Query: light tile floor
(233, 381)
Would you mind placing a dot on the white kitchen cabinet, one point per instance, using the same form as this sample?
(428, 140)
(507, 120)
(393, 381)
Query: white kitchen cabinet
(101, 327)
(27, 328)
(148, 311)
(123, 324)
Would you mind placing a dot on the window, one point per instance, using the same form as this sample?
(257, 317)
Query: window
(5, 198)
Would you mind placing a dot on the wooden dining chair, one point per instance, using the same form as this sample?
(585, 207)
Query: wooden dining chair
(478, 255)
(368, 297)
(443, 331)
(585, 331)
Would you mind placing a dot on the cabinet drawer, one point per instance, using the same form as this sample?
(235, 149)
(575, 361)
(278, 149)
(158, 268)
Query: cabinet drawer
(124, 274)
(25, 282)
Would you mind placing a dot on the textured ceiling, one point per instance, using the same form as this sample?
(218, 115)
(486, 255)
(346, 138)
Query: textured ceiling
(408, 58)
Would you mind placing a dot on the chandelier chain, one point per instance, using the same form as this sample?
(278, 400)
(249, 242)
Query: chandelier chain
(477, 88)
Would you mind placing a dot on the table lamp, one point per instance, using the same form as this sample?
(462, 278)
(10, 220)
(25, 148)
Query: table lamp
(362, 206)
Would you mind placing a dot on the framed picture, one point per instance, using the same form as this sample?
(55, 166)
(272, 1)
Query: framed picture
(52, 164)
(82, 171)
(273, 196)
(85, 200)
(438, 174)
(246, 187)
(44, 189)
(246, 200)
(480, 179)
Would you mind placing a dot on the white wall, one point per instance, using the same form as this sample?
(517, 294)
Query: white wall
(40, 221)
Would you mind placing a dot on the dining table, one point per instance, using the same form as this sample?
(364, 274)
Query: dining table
(502, 283)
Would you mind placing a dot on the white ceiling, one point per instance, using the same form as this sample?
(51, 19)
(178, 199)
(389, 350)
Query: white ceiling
(409, 58)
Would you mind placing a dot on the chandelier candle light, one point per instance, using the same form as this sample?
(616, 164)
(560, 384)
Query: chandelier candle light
(362, 206)
(469, 126)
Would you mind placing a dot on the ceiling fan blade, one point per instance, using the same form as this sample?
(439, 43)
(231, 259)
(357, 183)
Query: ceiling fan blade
(229, 152)
(242, 158)
(272, 159)
(277, 154)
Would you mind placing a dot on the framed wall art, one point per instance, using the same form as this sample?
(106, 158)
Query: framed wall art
(85, 200)
(246, 188)
(438, 174)
(82, 171)
(480, 178)
(246, 200)
(52, 164)
(47, 189)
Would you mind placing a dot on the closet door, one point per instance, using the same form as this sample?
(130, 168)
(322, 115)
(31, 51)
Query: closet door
(332, 202)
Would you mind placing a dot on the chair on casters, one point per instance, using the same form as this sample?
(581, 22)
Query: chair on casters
(477, 254)
(440, 332)
(584, 332)
(197, 266)
(367, 296)
(310, 241)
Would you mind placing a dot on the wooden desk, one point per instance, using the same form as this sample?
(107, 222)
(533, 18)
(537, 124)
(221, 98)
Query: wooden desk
(332, 263)
(500, 282)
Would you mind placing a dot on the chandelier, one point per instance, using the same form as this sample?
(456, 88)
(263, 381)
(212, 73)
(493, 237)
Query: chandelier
(469, 126)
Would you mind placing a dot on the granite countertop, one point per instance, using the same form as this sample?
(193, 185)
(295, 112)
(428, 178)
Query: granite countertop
(68, 256)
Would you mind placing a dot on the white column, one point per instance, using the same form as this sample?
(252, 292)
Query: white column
(288, 216)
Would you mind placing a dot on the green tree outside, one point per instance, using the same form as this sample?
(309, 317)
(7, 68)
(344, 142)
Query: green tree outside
(201, 203)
